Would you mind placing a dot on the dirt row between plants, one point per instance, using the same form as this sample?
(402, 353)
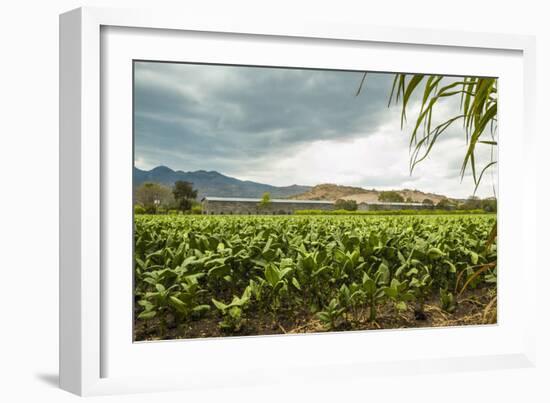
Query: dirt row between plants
(476, 307)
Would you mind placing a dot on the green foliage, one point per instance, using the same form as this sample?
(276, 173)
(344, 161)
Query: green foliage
(184, 194)
(373, 288)
(390, 196)
(399, 293)
(421, 285)
(233, 312)
(331, 314)
(265, 201)
(151, 209)
(139, 209)
(348, 205)
(489, 205)
(153, 196)
(445, 204)
(388, 212)
(338, 268)
(447, 300)
(182, 298)
(428, 202)
(196, 209)
(477, 112)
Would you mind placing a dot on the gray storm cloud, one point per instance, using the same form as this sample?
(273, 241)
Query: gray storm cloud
(264, 124)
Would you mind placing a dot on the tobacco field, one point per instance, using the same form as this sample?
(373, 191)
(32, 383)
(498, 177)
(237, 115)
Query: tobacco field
(212, 276)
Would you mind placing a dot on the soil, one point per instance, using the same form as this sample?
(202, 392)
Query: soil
(474, 307)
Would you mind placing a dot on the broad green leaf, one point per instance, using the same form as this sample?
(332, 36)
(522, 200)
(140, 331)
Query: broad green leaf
(178, 304)
(401, 306)
(147, 315)
(272, 275)
(474, 257)
(220, 305)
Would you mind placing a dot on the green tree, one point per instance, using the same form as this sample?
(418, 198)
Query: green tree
(184, 194)
(475, 203)
(349, 205)
(390, 196)
(445, 204)
(489, 204)
(265, 201)
(409, 200)
(428, 202)
(153, 196)
(472, 203)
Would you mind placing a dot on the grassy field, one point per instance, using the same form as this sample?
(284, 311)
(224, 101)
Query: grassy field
(210, 276)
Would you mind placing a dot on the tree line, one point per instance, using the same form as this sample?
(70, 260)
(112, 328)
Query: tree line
(156, 198)
(391, 196)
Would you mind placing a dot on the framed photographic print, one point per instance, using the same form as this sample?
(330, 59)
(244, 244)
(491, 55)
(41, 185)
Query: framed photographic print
(240, 198)
(271, 224)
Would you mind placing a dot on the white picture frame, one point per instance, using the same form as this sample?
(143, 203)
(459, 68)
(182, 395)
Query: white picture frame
(88, 331)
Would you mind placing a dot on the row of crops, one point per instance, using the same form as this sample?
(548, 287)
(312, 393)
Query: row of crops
(338, 270)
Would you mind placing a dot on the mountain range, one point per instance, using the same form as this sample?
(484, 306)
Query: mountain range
(213, 183)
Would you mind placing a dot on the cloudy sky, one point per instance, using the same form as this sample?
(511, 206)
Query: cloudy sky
(289, 126)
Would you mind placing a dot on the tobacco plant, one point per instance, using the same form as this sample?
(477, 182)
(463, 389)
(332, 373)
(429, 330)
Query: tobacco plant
(232, 313)
(330, 267)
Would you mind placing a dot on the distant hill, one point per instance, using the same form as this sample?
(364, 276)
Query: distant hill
(212, 183)
(329, 191)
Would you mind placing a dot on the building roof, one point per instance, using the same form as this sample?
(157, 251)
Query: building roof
(251, 200)
(393, 204)
(254, 200)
